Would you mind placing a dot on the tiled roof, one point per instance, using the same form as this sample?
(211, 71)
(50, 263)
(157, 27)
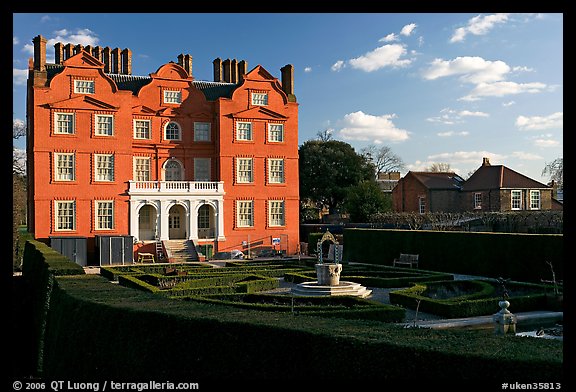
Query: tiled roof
(498, 177)
(439, 180)
(211, 90)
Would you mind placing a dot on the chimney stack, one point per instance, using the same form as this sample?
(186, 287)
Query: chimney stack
(116, 61)
(127, 61)
(106, 59)
(68, 51)
(185, 61)
(288, 80)
(226, 70)
(58, 53)
(234, 71)
(485, 162)
(242, 70)
(39, 53)
(217, 69)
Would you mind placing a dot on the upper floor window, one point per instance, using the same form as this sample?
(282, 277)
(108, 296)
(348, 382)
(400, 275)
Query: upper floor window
(244, 170)
(64, 164)
(172, 131)
(535, 200)
(65, 215)
(516, 199)
(201, 132)
(141, 129)
(171, 96)
(104, 211)
(422, 205)
(243, 131)
(276, 171)
(84, 86)
(172, 170)
(202, 169)
(275, 132)
(64, 123)
(478, 200)
(104, 125)
(142, 169)
(104, 167)
(260, 99)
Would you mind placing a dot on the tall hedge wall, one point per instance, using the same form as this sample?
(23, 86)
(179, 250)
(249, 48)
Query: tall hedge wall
(520, 257)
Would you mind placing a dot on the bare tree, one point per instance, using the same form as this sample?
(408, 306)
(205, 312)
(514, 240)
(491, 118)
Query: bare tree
(439, 168)
(325, 135)
(555, 170)
(18, 156)
(383, 158)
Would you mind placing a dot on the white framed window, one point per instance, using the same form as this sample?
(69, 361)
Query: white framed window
(244, 213)
(171, 96)
(142, 169)
(243, 130)
(64, 123)
(202, 132)
(516, 199)
(172, 131)
(204, 217)
(84, 86)
(104, 215)
(535, 200)
(104, 167)
(173, 170)
(104, 125)
(64, 166)
(422, 205)
(477, 201)
(202, 169)
(141, 129)
(260, 99)
(244, 169)
(174, 221)
(276, 171)
(276, 213)
(276, 133)
(65, 215)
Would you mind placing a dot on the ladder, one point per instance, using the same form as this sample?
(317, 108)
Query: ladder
(159, 250)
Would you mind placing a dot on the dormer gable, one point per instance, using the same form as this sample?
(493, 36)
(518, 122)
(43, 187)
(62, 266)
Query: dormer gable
(143, 110)
(260, 113)
(83, 102)
(83, 59)
(171, 71)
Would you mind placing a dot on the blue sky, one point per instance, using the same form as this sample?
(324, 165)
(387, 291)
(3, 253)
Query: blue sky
(434, 87)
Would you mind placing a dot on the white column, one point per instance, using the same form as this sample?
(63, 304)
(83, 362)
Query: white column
(134, 218)
(220, 219)
(163, 220)
(193, 219)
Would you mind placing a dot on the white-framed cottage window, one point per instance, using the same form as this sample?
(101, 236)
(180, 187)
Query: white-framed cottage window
(104, 167)
(104, 215)
(276, 213)
(478, 201)
(64, 166)
(535, 200)
(202, 132)
(171, 96)
(141, 129)
(64, 123)
(516, 199)
(244, 213)
(244, 169)
(422, 205)
(202, 169)
(243, 130)
(276, 171)
(65, 215)
(260, 99)
(172, 131)
(84, 86)
(276, 133)
(104, 125)
(142, 169)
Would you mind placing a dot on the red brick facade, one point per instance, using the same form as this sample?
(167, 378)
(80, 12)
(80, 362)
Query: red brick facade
(164, 155)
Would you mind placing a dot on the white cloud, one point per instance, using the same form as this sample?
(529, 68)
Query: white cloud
(509, 103)
(80, 36)
(546, 143)
(500, 89)
(384, 56)
(450, 116)
(522, 68)
(478, 25)
(464, 157)
(526, 156)
(555, 120)
(28, 48)
(453, 133)
(389, 38)
(473, 114)
(15, 41)
(19, 76)
(308, 69)
(338, 65)
(471, 69)
(408, 29)
(366, 127)
(45, 18)
(420, 41)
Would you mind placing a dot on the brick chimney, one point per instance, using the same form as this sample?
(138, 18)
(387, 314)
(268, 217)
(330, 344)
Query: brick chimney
(106, 59)
(227, 71)
(116, 61)
(39, 53)
(68, 51)
(485, 162)
(126, 61)
(242, 70)
(217, 69)
(185, 61)
(288, 81)
(58, 53)
(234, 71)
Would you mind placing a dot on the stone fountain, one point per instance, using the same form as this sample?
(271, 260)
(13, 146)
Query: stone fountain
(328, 281)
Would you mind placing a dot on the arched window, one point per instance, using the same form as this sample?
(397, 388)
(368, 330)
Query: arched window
(172, 131)
(173, 171)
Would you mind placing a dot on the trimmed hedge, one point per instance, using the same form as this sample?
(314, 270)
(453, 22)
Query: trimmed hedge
(521, 257)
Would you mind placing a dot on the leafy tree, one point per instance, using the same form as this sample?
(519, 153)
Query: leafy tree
(18, 192)
(328, 169)
(439, 168)
(383, 158)
(365, 200)
(555, 170)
